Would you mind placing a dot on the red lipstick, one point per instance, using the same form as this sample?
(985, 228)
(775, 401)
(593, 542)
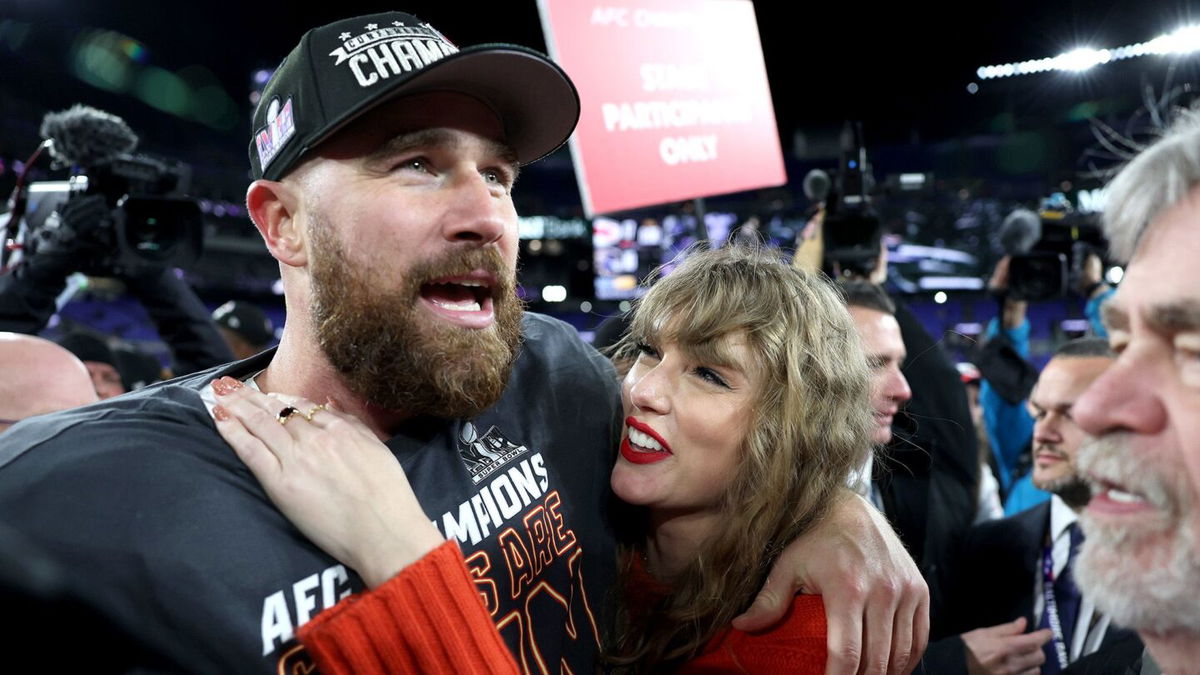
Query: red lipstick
(640, 456)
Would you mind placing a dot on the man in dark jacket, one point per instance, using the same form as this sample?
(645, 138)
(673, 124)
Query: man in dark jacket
(925, 477)
(1015, 574)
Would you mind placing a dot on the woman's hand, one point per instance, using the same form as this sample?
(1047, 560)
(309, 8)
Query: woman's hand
(330, 476)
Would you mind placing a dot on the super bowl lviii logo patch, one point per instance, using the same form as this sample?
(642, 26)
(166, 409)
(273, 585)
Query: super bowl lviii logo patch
(280, 127)
(482, 455)
(383, 51)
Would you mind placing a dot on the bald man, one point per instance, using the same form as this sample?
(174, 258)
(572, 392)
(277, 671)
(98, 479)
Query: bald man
(39, 377)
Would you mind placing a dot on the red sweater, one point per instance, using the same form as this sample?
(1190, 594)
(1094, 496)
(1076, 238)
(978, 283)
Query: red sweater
(796, 645)
(429, 619)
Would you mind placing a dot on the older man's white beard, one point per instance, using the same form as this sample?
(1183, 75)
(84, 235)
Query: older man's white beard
(1146, 579)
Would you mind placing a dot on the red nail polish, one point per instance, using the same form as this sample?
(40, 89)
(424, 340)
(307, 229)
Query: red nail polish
(233, 382)
(221, 387)
(220, 413)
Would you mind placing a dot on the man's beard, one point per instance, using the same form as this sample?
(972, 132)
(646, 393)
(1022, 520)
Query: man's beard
(1145, 578)
(396, 356)
(1072, 488)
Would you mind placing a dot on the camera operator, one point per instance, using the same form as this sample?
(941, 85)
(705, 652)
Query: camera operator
(129, 223)
(1044, 256)
(1007, 380)
(1095, 291)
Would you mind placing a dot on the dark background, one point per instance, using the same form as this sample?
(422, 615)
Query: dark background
(903, 68)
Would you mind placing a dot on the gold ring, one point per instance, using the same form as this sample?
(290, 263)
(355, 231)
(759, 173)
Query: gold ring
(285, 414)
(315, 409)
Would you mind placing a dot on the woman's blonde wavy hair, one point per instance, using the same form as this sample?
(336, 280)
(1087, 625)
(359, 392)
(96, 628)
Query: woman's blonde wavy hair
(810, 426)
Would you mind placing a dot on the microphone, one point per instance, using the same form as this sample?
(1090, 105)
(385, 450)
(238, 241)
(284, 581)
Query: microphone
(816, 185)
(87, 137)
(1020, 231)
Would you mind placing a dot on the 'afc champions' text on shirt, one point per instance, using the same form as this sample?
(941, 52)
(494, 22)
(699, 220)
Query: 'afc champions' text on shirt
(525, 517)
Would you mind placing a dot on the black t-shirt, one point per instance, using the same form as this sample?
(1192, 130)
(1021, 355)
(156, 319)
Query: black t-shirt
(162, 526)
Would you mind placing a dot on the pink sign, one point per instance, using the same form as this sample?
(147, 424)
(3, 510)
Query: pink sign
(675, 99)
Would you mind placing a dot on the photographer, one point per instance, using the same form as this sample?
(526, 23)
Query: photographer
(1095, 292)
(1007, 380)
(128, 223)
(1046, 253)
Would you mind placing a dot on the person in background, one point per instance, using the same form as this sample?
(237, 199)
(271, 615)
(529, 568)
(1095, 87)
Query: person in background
(1016, 573)
(138, 369)
(100, 361)
(245, 328)
(1007, 378)
(1095, 291)
(39, 377)
(990, 506)
(921, 481)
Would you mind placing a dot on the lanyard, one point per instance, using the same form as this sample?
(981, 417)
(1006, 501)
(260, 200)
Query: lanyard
(1060, 646)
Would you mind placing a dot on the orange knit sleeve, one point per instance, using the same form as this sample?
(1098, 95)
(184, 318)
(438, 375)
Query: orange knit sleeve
(426, 619)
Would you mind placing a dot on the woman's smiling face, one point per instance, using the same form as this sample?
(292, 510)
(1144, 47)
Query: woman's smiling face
(687, 415)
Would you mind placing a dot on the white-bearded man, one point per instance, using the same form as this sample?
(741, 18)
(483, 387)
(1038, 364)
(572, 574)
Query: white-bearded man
(1141, 560)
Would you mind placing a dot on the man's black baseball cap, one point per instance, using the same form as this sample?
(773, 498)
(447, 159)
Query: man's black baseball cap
(246, 320)
(341, 70)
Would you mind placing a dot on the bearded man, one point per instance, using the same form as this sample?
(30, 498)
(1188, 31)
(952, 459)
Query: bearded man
(1141, 560)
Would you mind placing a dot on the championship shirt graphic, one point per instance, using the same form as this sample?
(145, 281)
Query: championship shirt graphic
(386, 51)
(483, 455)
(518, 523)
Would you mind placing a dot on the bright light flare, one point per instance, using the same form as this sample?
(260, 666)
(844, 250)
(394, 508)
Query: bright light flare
(1084, 58)
(1184, 40)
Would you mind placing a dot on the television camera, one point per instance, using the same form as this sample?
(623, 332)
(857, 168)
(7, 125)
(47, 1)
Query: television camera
(118, 213)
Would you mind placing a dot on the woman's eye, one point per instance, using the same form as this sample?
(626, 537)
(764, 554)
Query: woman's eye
(710, 375)
(646, 350)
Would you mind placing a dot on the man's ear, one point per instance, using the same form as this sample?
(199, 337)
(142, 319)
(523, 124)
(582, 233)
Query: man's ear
(273, 207)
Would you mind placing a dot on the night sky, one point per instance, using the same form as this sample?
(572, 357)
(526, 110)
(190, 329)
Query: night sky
(901, 68)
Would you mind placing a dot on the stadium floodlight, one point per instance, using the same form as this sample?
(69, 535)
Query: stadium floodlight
(1183, 41)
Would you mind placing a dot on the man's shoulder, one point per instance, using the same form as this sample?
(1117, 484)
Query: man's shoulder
(556, 346)
(1029, 524)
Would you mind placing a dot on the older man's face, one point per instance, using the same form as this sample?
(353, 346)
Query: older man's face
(1141, 561)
